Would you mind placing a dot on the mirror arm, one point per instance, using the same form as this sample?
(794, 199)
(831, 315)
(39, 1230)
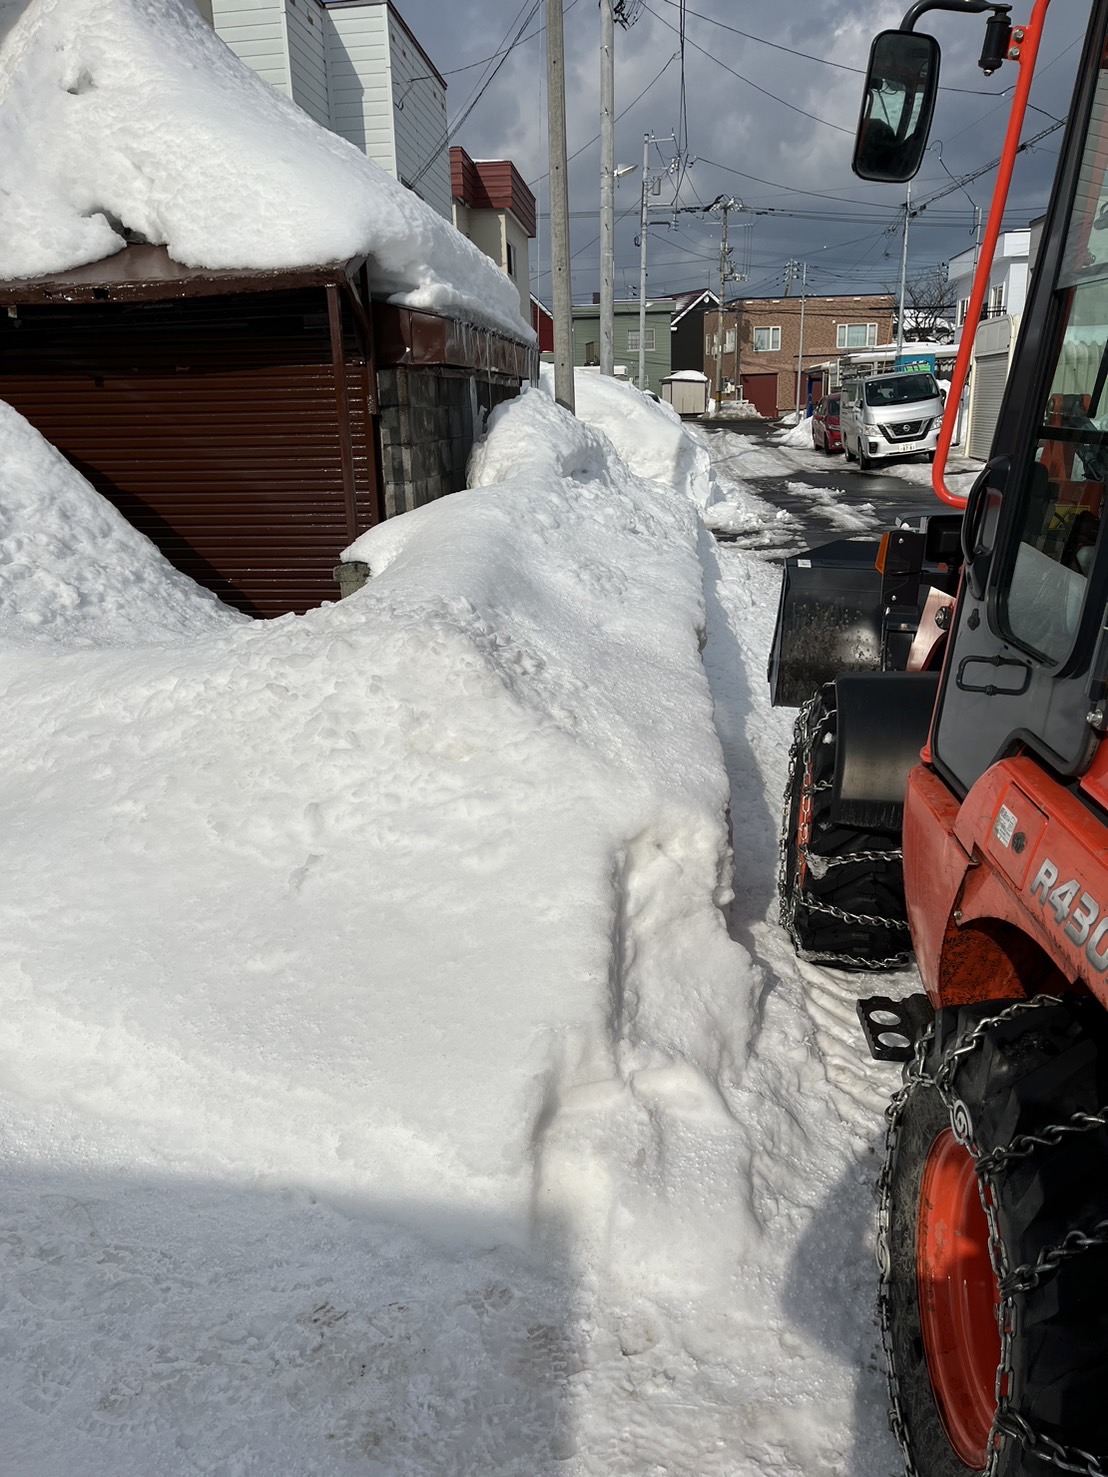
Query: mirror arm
(967, 7)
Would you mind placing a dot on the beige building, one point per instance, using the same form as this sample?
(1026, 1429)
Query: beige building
(494, 209)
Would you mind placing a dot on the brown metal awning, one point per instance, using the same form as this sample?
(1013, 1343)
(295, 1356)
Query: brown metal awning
(149, 274)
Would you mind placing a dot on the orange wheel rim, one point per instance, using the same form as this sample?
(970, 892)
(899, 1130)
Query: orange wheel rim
(958, 1299)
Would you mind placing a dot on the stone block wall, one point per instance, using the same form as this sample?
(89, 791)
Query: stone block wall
(429, 418)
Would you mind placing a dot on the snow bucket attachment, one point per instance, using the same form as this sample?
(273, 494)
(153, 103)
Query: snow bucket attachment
(828, 619)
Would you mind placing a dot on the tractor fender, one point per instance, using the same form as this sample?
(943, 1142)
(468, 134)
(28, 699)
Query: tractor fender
(883, 719)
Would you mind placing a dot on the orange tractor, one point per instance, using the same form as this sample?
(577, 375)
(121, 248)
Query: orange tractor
(948, 799)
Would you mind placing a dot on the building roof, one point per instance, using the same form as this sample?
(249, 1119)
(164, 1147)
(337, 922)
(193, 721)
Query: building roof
(491, 184)
(686, 301)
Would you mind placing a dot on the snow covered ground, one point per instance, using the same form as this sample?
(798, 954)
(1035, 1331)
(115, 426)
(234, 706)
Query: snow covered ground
(390, 1082)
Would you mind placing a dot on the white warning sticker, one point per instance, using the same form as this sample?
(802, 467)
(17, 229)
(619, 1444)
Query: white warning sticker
(1005, 826)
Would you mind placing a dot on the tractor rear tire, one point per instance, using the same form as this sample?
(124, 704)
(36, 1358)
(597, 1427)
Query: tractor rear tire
(841, 889)
(1004, 1104)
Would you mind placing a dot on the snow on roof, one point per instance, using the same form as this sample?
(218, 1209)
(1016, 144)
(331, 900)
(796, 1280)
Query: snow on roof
(687, 374)
(131, 119)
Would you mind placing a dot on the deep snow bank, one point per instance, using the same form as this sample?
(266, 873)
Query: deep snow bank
(133, 114)
(346, 955)
(647, 434)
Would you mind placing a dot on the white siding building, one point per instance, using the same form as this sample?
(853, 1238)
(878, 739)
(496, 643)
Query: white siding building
(995, 335)
(355, 67)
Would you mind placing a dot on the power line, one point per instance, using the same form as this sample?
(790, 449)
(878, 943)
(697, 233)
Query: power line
(454, 127)
(764, 91)
(596, 137)
(807, 55)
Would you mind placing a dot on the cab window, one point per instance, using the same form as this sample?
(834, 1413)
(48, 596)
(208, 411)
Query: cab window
(1063, 492)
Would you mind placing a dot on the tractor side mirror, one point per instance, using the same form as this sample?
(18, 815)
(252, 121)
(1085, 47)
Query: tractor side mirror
(901, 84)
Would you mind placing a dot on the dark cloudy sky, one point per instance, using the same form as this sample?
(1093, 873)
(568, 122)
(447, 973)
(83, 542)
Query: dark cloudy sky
(760, 123)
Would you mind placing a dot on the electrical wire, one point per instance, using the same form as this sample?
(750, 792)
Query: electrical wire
(826, 122)
(444, 143)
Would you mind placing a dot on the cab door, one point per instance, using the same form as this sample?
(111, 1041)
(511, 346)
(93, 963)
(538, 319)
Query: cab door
(1036, 584)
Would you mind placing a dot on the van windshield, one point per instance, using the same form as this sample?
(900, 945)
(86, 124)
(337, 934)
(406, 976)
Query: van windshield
(899, 389)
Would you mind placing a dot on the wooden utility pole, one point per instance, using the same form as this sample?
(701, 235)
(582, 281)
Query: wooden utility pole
(800, 351)
(607, 185)
(559, 206)
(644, 222)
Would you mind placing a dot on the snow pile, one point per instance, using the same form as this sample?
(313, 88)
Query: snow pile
(798, 435)
(648, 435)
(72, 570)
(736, 410)
(132, 116)
(369, 1012)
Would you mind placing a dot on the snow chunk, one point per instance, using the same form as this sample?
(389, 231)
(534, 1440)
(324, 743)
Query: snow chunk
(799, 435)
(133, 115)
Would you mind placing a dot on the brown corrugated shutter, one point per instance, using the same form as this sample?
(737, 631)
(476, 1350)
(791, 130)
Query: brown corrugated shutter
(213, 424)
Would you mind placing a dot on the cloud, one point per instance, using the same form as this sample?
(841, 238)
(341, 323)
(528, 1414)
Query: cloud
(757, 145)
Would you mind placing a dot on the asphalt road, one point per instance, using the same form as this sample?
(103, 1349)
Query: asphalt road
(811, 497)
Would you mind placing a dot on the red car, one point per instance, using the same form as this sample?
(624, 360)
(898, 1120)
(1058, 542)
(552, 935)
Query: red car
(826, 435)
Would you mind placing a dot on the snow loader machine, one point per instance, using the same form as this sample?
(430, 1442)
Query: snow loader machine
(948, 800)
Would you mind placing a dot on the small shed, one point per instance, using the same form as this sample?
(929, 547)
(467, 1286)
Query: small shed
(687, 391)
(252, 424)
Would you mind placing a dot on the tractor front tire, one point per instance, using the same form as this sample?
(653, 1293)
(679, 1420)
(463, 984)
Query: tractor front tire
(1005, 1107)
(841, 889)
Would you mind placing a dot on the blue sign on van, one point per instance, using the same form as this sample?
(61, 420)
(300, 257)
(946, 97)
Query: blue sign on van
(916, 361)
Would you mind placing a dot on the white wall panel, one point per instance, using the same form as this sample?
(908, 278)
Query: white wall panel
(307, 27)
(255, 31)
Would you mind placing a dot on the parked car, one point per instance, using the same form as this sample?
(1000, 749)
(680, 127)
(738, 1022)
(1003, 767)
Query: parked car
(890, 415)
(826, 435)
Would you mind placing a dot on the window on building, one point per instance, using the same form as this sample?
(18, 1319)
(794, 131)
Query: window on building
(511, 260)
(729, 342)
(996, 300)
(767, 340)
(633, 341)
(963, 309)
(592, 352)
(856, 335)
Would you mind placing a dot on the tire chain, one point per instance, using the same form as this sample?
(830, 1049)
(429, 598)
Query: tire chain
(799, 754)
(1006, 1422)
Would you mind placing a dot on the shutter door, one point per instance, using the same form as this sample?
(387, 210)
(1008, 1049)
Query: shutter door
(213, 425)
(761, 391)
(991, 375)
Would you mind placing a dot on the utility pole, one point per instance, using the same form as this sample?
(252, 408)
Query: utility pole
(607, 184)
(643, 223)
(800, 350)
(725, 275)
(903, 270)
(559, 207)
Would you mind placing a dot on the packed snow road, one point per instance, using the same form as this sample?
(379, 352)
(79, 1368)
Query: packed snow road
(810, 497)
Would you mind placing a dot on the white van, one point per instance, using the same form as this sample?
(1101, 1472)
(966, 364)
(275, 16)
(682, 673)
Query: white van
(891, 415)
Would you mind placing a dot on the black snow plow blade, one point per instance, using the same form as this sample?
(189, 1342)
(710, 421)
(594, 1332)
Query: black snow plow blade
(828, 619)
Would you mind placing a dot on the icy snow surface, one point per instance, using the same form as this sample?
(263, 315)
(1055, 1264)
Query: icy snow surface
(383, 1089)
(133, 114)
